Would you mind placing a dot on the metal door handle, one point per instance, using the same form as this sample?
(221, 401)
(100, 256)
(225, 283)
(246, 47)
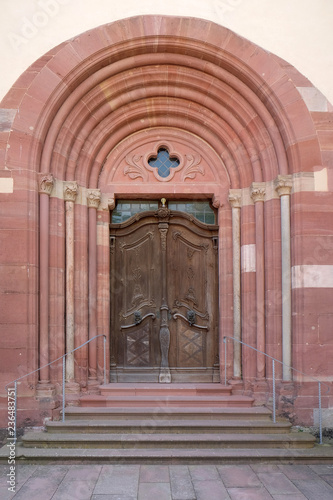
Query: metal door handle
(138, 320)
(178, 315)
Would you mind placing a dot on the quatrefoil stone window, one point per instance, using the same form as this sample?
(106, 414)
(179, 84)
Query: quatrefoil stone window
(163, 162)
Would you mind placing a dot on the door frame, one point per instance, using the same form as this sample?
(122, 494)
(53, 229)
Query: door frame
(216, 374)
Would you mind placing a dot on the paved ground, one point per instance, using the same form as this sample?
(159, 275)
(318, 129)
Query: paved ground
(174, 482)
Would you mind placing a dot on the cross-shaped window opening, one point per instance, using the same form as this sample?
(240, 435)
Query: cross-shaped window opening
(163, 162)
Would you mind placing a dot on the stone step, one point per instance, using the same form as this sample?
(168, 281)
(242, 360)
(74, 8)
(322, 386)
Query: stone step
(174, 441)
(316, 455)
(167, 413)
(145, 389)
(155, 426)
(96, 400)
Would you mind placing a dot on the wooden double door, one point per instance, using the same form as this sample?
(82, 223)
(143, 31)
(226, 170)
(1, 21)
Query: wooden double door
(164, 299)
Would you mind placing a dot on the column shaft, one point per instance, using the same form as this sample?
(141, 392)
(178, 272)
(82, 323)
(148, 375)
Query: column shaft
(93, 201)
(92, 292)
(44, 288)
(45, 187)
(70, 192)
(283, 186)
(286, 287)
(260, 288)
(234, 200)
(69, 289)
(258, 195)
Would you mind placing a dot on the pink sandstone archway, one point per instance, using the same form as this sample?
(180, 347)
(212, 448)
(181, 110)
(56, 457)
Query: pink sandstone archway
(73, 126)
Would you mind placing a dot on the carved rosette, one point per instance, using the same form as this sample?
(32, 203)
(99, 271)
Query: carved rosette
(70, 190)
(93, 198)
(258, 191)
(235, 198)
(45, 183)
(283, 184)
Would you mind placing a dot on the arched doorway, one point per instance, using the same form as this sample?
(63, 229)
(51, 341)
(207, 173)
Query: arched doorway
(164, 294)
(89, 117)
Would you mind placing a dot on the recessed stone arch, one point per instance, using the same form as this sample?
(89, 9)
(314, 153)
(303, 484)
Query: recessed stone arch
(251, 90)
(82, 108)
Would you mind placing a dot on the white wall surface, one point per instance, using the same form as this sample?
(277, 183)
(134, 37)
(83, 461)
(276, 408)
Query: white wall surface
(299, 31)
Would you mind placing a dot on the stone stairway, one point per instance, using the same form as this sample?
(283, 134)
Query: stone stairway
(175, 423)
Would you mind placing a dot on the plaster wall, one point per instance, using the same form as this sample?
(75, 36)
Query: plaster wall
(299, 31)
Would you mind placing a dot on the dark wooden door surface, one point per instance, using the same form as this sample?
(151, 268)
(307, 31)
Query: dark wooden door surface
(164, 299)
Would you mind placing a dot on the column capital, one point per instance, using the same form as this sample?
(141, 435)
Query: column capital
(283, 184)
(45, 183)
(70, 190)
(93, 198)
(258, 191)
(235, 198)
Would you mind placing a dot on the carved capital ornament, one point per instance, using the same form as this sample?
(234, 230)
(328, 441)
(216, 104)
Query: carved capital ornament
(283, 184)
(235, 198)
(45, 183)
(70, 190)
(93, 198)
(258, 191)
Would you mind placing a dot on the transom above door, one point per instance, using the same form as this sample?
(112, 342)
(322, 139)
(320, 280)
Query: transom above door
(164, 292)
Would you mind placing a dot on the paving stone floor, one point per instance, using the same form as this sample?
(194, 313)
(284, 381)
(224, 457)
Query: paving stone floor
(169, 482)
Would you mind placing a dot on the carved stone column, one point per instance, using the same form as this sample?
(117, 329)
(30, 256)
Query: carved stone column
(163, 226)
(235, 202)
(258, 192)
(93, 201)
(283, 186)
(222, 270)
(46, 182)
(70, 193)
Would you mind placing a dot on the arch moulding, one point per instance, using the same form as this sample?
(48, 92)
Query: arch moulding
(86, 118)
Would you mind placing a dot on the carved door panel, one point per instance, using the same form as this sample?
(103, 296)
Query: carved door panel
(135, 297)
(192, 284)
(164, 299)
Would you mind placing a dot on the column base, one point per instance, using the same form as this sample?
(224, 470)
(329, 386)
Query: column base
(93, 386)
(45, 390)
(72, 393)
(237, 385)
(260, 389)
(286, 399)
(72, 387)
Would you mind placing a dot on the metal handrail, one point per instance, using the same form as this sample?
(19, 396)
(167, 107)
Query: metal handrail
(274, 380)
(63, 357)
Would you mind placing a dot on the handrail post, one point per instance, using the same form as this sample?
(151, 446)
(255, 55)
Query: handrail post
(63, 387)
(274, 395)
(225, 360)
(104, 354)
(320, 415)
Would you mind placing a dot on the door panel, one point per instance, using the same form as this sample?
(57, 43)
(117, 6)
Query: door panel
(164, 299)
